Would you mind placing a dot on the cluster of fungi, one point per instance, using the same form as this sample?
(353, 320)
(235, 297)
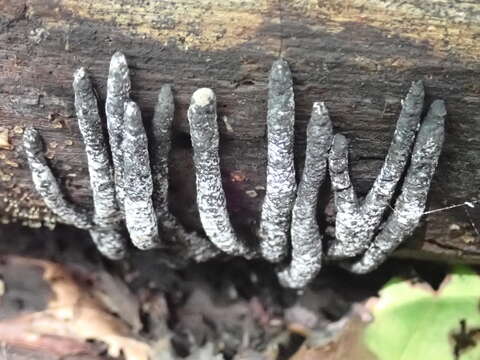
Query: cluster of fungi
(129, 180)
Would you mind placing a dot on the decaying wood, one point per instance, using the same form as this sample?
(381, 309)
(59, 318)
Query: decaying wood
(358, 56)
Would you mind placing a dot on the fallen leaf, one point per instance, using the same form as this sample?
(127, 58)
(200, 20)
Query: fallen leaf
(337, 341)
(73, 312)
(117, 296)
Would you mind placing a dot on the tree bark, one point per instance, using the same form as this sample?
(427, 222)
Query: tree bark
(359, 56)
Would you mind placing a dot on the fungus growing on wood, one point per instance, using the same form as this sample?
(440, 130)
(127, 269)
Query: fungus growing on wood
(132, 188)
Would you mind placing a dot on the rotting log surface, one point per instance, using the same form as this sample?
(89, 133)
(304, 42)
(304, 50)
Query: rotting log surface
(359, 56)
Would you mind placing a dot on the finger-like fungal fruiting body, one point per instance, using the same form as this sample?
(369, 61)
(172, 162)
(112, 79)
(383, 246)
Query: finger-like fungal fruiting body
(347, 219)
(99, 169)
(107, 233)
(197, 247)
(357, 223)
(211, 201)
(281, 184)
(109, 241)
(193, 245)
(132, 188)
(160, 145)
(410, 204)
(306, 257)
(140, 216)
(118, 93)
(46, 184)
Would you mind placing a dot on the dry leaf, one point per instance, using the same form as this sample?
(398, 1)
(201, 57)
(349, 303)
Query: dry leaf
(74, 312)
(338, 341)
(117, 296)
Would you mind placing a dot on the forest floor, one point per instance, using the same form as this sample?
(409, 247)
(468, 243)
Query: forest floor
(60, 300)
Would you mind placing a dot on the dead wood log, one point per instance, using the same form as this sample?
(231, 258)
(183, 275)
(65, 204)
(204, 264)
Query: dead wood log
(359, 56)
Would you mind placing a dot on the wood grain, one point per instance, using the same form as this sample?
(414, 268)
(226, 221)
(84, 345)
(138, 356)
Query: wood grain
(359, 56)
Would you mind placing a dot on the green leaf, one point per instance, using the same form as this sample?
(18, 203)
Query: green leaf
(412, 321)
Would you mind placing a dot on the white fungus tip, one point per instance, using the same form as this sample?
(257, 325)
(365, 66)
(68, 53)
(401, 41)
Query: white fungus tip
(165, 92)
(79, 74)
(30, 133)
(339, 142)
(438, 108)
(280, 71)
(118, 60)
(203, 96)
(320, 107)
(280, 64)
(417, 88)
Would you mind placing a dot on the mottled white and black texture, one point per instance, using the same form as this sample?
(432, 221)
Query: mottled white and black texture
(46, 184)
(410, 204)
(160, 145)
(211, 202)
(356, 223)
(107, 232)
(306, 257)
(197, 247)
(100, 171)
(132, 186)
(118, 93)
(281, 184)
(131, 165)
(140, 216)
(109, 241)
